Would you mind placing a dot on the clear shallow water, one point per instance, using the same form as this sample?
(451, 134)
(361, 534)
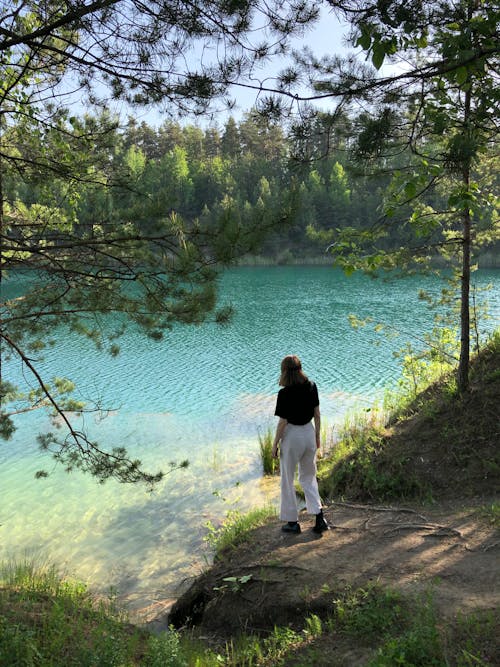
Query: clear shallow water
(203, 393)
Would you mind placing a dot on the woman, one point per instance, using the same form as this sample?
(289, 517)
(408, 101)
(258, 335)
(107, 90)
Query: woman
(297, 404)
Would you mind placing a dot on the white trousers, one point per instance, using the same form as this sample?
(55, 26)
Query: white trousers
(298, 447)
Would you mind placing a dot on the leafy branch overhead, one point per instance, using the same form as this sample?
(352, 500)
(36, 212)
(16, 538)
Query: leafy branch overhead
(150, 251)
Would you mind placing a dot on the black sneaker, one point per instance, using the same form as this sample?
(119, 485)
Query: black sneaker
(321, 526)
(291, 527)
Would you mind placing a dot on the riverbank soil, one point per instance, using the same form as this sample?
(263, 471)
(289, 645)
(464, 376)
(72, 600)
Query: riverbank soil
(451, 552)
(446, 546)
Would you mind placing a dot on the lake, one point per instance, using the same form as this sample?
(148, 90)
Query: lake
(203, 393)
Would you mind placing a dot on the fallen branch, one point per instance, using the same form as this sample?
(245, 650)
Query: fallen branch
(440, 531)
(376, 508)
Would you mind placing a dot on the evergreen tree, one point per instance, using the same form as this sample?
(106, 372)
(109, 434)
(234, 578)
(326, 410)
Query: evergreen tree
(230, 143)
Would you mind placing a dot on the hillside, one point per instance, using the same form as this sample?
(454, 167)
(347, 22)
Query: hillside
(444, 445)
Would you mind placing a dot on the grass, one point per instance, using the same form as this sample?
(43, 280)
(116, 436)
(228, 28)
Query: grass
(419, 643)
(270, 465)
(352, 463)
(368, 612)
(255, 651)
(491, 514)
(473, 640)
(391, 630)
(237, 528)
(47, 621)
(393, 452)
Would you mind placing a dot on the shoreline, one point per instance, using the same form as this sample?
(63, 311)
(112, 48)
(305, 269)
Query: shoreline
(487, 260)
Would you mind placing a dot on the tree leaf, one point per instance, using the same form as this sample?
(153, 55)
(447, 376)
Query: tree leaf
(378, 55)
(461, 75)
(364, 41)
(410, 190)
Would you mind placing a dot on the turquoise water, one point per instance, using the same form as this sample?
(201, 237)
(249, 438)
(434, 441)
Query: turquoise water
(203, 393)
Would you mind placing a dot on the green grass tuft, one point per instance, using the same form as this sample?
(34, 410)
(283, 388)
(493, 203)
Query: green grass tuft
(369, 612)
(49, 621)
(270, 465)
(352, 466)
(237, 528)
(491, 514)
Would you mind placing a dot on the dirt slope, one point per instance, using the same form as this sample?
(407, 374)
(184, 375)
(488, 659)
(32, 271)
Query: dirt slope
(455, 551)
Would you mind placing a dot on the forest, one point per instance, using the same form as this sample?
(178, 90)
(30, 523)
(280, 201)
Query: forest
(293, 186)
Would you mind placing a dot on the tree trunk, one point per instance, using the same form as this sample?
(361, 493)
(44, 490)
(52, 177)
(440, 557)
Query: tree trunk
(463, 365)
(2, 208)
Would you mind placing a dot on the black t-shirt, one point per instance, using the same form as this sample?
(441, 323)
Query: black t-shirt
(296, 403)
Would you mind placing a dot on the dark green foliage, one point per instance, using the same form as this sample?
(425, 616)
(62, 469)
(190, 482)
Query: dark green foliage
(270, 465)
(375, 132)
(419, 646)
(44, 620)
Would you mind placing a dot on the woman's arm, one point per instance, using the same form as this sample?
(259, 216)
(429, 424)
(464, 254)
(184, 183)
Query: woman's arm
(317, 426)
(279, 434)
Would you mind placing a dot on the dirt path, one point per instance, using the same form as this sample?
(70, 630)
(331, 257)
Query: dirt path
(278, 578)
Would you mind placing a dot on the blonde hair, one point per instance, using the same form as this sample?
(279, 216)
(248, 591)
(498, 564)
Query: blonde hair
(291, 371)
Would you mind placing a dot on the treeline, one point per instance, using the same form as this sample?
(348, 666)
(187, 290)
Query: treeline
(306, 180)
(308, 170)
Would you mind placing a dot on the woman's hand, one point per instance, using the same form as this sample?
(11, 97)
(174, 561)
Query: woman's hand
(317, 426)
(280, 429)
